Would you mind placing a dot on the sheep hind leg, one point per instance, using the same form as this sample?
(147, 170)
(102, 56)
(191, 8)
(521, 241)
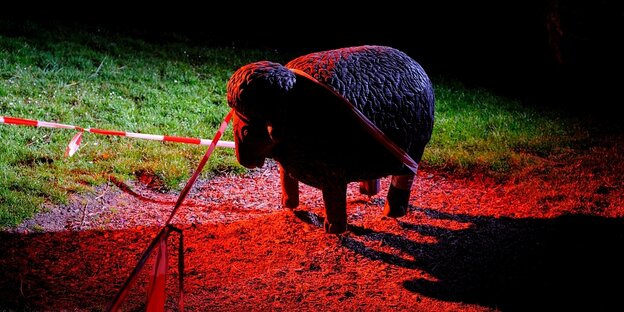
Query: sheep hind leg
(290, 189)
(397, 200)
(335, 199)
(370, 187)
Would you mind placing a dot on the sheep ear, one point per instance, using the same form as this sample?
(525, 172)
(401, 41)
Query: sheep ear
(276, 133)
(272, 133)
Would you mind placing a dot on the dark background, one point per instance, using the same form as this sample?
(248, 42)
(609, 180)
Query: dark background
(558, 53)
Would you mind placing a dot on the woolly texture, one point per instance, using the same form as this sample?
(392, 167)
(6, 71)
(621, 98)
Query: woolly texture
(254, 89)
(313, 135)
(385, 84)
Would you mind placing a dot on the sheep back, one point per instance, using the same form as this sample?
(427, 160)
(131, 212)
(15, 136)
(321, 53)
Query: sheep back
(387, 86)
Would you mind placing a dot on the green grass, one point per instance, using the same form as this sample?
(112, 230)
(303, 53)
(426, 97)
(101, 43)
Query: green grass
(109, 81)
(478, 130)
(106, 81)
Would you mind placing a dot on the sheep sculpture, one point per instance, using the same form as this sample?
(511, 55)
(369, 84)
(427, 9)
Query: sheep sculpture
(283, 114)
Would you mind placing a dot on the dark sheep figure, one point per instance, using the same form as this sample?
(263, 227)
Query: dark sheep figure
(314, 137)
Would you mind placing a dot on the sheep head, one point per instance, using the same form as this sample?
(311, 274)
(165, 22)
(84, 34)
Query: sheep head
(257, 93)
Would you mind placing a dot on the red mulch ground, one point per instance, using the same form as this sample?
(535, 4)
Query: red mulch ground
(548, 238)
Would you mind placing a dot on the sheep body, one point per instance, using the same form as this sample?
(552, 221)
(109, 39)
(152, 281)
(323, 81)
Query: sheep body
(388, 87)
(313, 135)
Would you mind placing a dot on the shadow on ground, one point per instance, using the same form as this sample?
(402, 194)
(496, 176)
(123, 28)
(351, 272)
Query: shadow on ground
(572, 262)
(70, 270)
(569, 262)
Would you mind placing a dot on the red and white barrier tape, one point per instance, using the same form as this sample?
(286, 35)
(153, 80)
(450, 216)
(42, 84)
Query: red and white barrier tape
(156, 294)
(75, 142)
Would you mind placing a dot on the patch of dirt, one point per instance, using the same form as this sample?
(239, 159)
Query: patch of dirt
(548, 238)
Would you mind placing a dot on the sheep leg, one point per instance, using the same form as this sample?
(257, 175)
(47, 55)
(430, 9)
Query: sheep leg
(290, 189)
(397, 200)
(370, 187)
(335, 199)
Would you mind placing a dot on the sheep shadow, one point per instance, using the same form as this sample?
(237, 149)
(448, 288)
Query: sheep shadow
(572, 262)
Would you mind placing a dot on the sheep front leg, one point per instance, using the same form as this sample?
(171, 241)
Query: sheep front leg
(290, 189)
(398, 196)
(335, 199)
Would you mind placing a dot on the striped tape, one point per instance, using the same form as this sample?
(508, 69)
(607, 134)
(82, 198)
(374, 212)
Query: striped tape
(155, 296)
(75, 142)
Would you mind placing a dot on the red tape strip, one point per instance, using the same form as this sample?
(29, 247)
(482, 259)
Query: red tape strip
(155, 295)
(181, 139)
(20, 121)
(156, 291)
(107, 132)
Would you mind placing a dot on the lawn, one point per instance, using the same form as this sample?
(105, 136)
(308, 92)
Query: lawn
(101, 79)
